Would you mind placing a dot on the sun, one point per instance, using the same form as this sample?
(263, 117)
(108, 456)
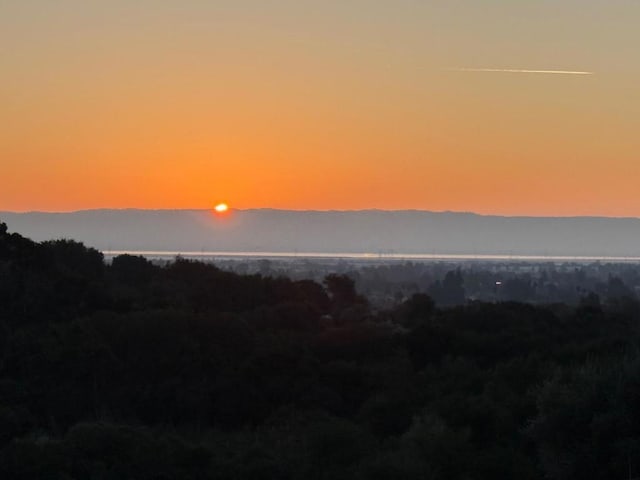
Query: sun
(221, 207)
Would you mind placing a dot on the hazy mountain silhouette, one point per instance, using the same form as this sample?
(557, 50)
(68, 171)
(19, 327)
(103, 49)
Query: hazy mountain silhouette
(375, 231)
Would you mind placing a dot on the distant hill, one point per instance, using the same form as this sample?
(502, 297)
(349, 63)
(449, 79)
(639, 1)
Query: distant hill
(365, 231)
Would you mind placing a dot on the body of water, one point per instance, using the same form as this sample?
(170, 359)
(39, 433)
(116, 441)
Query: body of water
(209, 256)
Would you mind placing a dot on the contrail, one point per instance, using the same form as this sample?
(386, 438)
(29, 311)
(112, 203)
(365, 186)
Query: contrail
(517, 70)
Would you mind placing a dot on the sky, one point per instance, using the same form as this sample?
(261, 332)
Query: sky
(333, 104)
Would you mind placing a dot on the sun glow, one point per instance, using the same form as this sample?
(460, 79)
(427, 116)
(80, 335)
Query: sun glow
(221, 207)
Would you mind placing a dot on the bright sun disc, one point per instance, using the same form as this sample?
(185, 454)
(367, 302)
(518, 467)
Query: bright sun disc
(222, 207)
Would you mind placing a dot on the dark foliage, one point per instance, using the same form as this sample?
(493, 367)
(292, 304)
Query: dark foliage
(131, 370)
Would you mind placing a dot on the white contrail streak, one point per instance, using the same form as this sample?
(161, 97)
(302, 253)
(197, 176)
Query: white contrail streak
(517, 70)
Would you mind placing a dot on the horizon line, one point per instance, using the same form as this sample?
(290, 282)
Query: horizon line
(312, 210)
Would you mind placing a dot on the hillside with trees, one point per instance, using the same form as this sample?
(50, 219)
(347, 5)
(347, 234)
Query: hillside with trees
(132, 370)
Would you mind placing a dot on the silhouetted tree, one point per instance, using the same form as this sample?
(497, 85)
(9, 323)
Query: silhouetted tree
(418, 308)
(133, 270)
(450, 291)
(342, 292)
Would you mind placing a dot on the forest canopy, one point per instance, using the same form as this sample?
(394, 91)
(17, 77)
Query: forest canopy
(132, 370)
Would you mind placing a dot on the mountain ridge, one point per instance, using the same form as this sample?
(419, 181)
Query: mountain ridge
(271, 209)
(346, 231)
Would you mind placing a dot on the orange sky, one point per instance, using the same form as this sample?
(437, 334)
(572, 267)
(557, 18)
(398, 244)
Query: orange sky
(321, 105)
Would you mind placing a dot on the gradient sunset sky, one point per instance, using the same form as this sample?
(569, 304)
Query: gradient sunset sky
(327, 104)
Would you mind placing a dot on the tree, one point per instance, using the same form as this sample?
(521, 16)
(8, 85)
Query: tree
(130, 269)
(417, 309)
(450, 291)
(342, 292)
